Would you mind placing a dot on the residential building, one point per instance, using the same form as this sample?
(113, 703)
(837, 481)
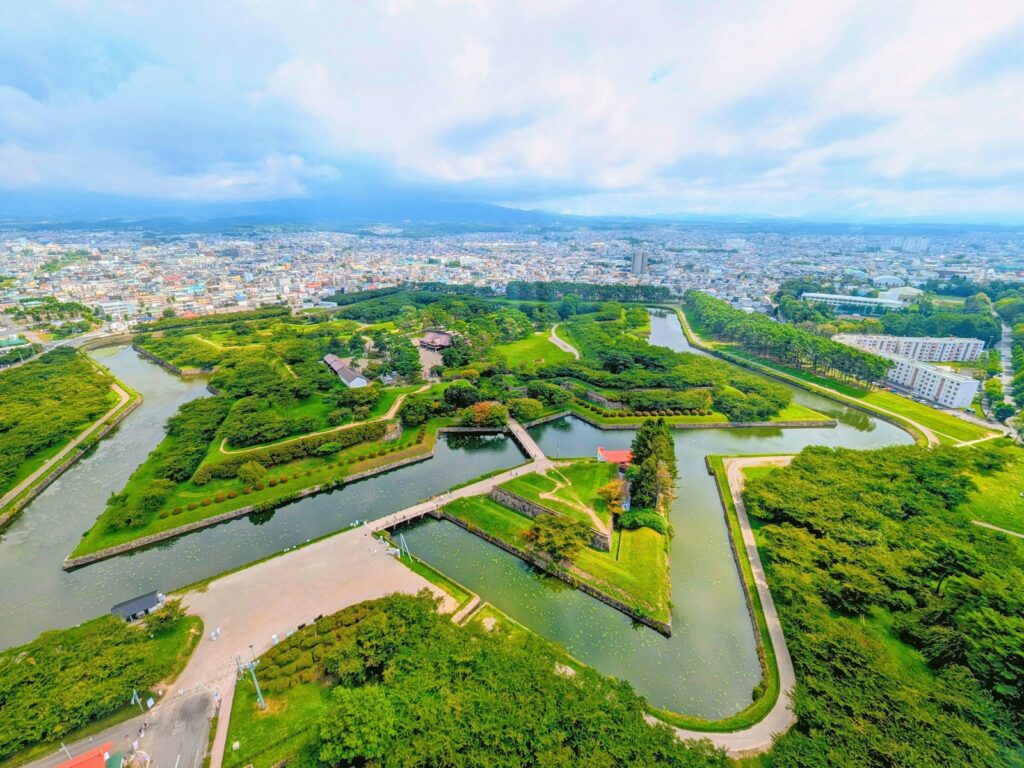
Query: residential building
(853, 302)
(922, 348)
(932, 383)
(353, 379)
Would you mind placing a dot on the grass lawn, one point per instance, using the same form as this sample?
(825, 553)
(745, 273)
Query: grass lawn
(532, 351)
(567, 488)
(286, 729)
(796, 412)
(997, 500)
(635, 571)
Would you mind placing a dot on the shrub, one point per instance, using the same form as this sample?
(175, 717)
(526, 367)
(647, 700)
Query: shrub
(205, 503)
(164, 514)
(643, 518)
(177, 511)
(258, 486)
(232, 494)
(284, 478)
(219, 498)
(192, 505)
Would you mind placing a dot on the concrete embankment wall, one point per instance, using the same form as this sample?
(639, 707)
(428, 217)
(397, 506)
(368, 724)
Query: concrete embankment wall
(18, 504)
(545, 565)
(813, 424)
(170, 366)
(598, 539)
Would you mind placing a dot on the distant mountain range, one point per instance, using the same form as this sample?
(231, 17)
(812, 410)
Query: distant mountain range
(418, 215)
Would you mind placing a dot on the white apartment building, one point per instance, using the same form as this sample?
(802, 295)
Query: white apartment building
(922, 348)
(852, 302)
(932, 383)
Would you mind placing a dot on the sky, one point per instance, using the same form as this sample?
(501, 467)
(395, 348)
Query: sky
(843, 109)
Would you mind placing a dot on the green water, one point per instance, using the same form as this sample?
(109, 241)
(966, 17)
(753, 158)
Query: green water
(709, 666)
(37, 595)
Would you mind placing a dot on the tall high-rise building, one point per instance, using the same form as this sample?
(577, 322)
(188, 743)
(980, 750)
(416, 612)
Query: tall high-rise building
(639, 262)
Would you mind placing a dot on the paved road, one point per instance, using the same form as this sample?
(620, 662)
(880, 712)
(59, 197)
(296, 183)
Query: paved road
(562, 344)
(55, 460)
(176, 736)
(757, 738)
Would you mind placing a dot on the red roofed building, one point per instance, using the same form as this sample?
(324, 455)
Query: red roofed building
(100, 757)
(622, 458)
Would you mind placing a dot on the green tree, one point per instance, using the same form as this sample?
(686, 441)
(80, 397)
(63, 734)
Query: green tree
(360, 725)
(558, 537)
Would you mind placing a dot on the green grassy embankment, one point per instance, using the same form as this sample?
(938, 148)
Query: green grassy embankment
(639, 577)
(570, 489)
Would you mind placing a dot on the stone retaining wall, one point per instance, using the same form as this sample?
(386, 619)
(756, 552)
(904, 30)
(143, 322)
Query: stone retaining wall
(172, 533)
(599, 399)
(545, 565)
(18, 504)
(598, 539)
(546, 419)
(170, 366)
(813, 424)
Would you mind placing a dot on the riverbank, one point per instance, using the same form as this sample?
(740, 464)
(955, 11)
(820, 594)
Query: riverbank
(928, 426)
(15, 500)
(273, 498)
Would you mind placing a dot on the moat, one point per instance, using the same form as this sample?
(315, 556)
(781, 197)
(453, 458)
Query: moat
(708, 668)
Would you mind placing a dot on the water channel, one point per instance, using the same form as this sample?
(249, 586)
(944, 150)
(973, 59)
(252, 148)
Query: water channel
(36, 595)
(707, 668)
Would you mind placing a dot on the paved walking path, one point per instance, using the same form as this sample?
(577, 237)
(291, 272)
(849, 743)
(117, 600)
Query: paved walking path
(562, 343)
(758, 737)
(997, 528)
(391, 413)
(55, 460)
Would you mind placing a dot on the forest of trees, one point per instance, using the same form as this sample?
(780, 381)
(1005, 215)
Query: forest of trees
(905, 622)
(45, 403)
(411, 688)
(615, 359)
(787, 344)
(555, 290)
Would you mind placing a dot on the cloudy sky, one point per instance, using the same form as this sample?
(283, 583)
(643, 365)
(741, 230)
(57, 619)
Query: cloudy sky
(845, 109)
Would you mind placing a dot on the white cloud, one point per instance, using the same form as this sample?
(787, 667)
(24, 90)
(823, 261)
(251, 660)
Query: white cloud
(667, 106)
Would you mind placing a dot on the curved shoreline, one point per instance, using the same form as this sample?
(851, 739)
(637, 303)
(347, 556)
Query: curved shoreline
(18, 497)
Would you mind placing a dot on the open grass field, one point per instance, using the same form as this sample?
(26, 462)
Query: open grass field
(998, 500)
(265, 739)
(533, 351)
(568, 489)
(635, 571)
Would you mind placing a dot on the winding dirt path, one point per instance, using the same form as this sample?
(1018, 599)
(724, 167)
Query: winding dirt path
(391, 413)
(562, 343)
(559, 485)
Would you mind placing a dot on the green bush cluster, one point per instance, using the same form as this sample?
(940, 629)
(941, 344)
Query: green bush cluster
(287, 452)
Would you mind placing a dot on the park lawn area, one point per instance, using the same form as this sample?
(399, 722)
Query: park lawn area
(997, 500)
(638, 578)
(532, 351)
(572, 486)
(460, 594)
(285, 730)
(796, 412)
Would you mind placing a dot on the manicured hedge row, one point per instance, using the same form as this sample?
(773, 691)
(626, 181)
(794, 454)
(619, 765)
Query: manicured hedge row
(286, 452)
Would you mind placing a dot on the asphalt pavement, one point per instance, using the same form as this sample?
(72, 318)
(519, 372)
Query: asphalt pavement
(175, 737)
